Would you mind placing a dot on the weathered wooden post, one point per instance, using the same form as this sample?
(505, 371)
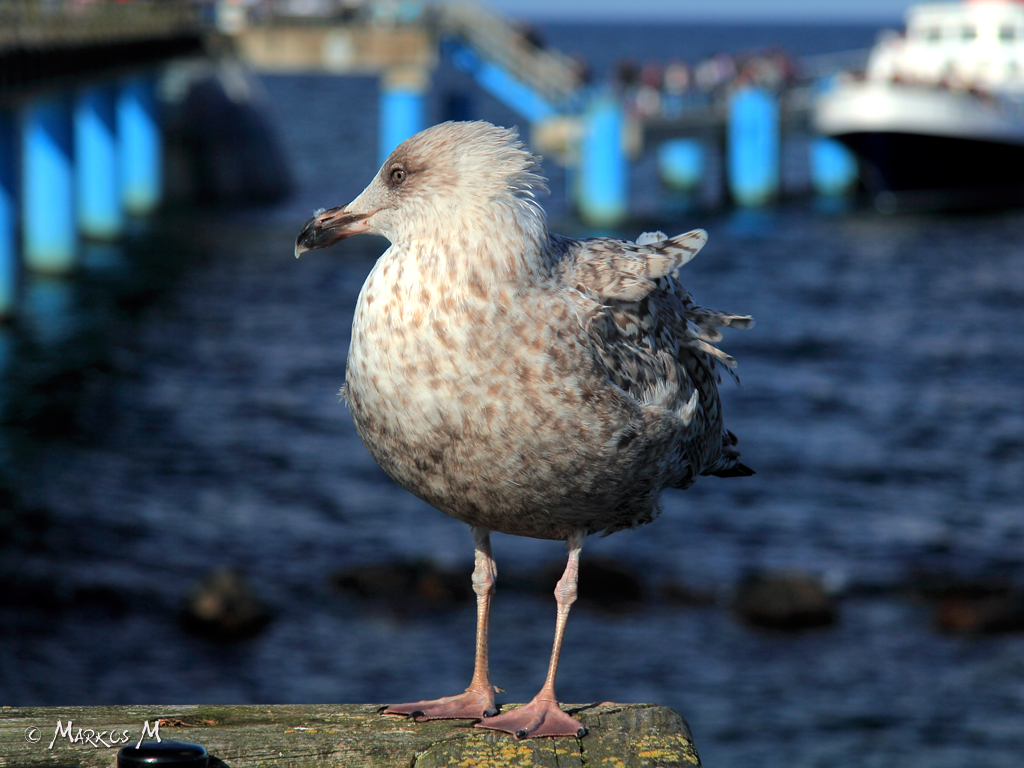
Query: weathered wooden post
(753, 147)
(48, 183)
(8, 214)
(349, 735)
(140, 145)
(100, 214)
(602, 182)
(402, 106)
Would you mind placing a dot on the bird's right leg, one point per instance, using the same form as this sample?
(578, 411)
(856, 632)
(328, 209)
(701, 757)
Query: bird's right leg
(478, 700)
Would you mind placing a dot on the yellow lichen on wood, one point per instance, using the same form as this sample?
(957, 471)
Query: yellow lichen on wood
(349, 736)
(666, 749)
(487, 749)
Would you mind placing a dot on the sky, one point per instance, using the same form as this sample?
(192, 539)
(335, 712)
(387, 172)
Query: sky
(888, 11)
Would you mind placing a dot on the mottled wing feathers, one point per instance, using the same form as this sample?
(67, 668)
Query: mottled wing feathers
(654, 341)
(622, 271)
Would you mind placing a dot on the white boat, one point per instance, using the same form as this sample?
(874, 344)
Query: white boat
(938, 118)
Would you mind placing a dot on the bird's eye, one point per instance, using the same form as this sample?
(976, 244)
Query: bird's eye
(397, 175)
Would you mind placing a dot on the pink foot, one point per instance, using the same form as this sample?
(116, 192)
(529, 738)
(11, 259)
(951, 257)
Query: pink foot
(471, 705)
(541, 717)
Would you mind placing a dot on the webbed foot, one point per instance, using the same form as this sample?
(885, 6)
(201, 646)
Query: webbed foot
(541, 717)
(471, 705)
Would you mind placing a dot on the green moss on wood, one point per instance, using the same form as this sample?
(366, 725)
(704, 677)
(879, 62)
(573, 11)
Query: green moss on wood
(353, 736)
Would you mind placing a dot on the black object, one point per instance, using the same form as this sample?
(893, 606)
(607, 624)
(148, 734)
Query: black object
(163, 754)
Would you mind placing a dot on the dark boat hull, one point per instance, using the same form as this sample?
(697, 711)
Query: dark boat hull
(905, 170)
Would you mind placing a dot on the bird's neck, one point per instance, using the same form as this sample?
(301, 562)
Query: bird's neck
(501, 246)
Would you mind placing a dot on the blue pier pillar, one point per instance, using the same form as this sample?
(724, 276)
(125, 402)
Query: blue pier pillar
(602, 185)
(48, 211)
(834, 169)
(681, 164)
(753, 147)
(402, 108)
(97, 178)
(141, 145)
(8, 216)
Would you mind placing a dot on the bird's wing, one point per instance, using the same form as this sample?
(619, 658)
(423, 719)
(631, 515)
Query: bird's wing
(623, 271)
(646, 330)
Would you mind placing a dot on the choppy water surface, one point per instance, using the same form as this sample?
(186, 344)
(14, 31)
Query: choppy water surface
(200, 425)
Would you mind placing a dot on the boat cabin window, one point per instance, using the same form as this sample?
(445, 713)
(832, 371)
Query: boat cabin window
(933, 34)
(1007, 34)
(968, 33)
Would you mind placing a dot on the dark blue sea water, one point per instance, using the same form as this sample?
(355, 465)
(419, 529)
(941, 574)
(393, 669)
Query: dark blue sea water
(175, 408)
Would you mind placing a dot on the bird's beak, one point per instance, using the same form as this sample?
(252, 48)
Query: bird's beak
(328, 227)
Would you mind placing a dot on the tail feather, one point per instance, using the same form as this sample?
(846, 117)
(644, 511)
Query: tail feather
(730, 464)
(739, 469)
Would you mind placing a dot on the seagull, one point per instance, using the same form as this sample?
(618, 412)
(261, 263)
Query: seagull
(521, 381)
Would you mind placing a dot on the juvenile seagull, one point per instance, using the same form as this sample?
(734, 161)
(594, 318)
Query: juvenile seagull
(521, 381)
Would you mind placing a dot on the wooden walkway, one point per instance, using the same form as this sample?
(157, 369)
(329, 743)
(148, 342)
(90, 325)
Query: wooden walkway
(29, 24)
(46, 46)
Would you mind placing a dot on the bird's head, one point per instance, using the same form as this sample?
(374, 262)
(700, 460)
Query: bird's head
(447, 178)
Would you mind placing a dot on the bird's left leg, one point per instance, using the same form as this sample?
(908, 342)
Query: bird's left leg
(542, 716)
(478, 699)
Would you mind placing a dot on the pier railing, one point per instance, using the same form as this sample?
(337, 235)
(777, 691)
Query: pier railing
(549, 72)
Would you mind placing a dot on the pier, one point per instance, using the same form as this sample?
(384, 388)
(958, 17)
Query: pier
(81, 136)
(589, 129)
